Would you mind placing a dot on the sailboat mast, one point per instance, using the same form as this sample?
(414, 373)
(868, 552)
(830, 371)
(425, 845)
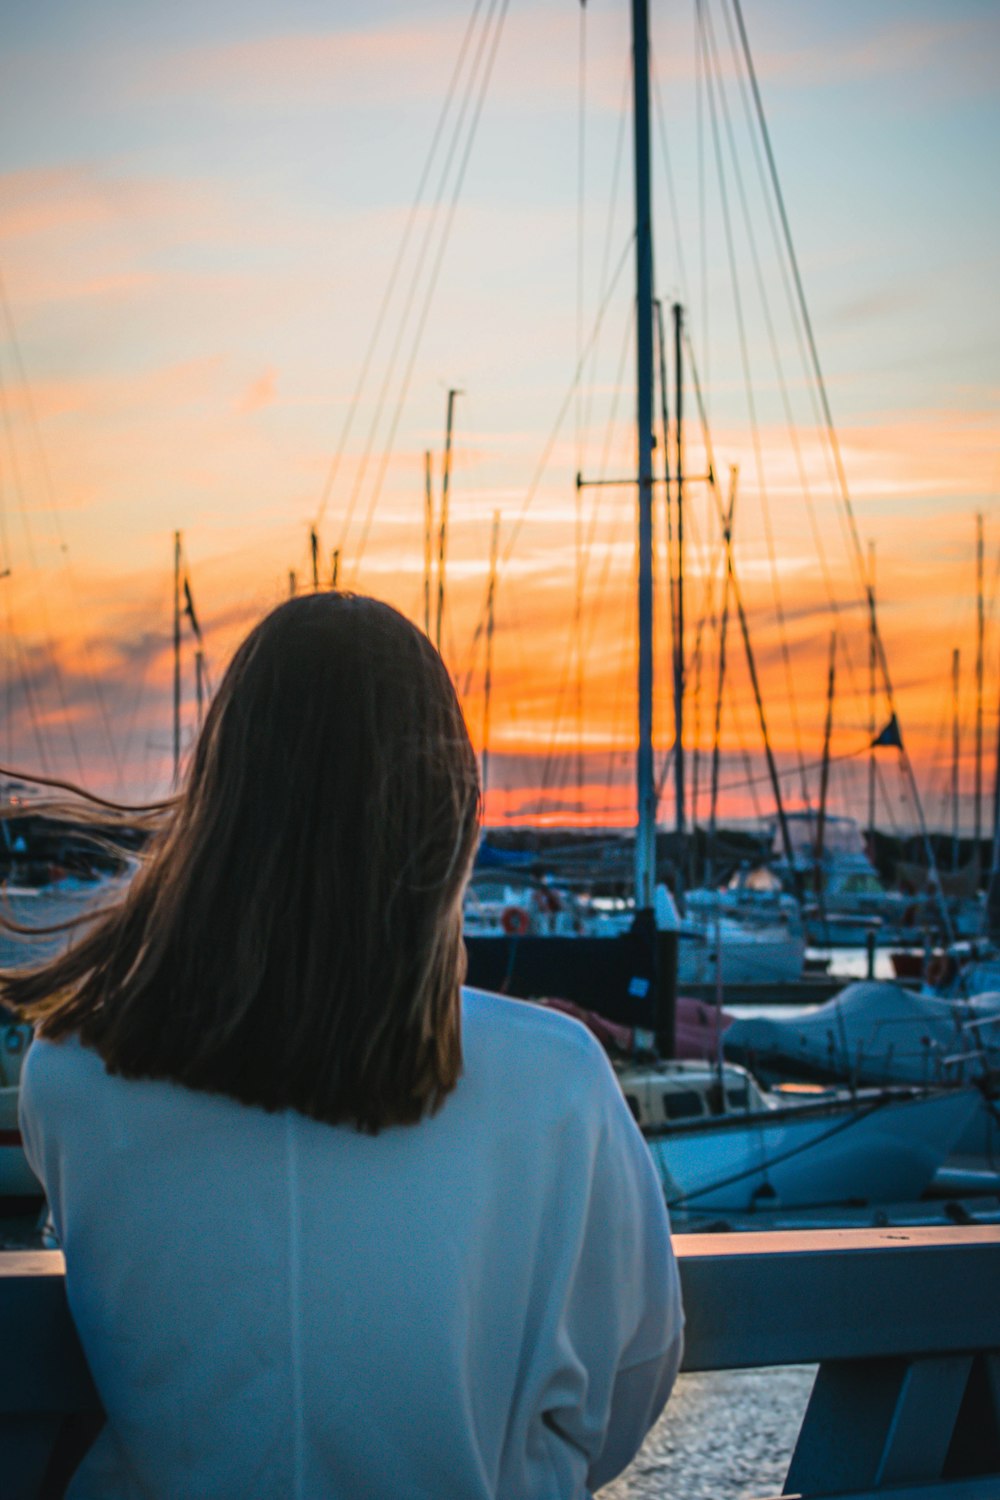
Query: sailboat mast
(645, 843)
(720, 679)
(488, 683)
(955, 666)
(443, 533)
(980, 623)
(428, 543)
(872, 670)
(679, 635)
(314, 556)
(824, 784)
(177, 657)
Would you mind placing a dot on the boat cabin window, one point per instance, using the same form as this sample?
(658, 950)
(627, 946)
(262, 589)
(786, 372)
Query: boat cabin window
(679, 1105)
(738, 1098)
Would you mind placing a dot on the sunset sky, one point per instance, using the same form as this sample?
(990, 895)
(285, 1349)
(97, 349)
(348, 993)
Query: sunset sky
(201, 209)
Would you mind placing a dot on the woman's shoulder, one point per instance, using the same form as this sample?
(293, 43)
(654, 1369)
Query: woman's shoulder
(53, 1070)
(61, 1060)
(521, 1037)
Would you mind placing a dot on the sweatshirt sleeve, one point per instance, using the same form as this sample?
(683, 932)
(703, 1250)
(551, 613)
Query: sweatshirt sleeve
(622, 1330)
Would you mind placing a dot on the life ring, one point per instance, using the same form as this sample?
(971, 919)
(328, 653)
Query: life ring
(515, 921)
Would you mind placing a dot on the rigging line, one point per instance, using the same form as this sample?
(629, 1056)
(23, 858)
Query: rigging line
(760, 778)
(741, 613)
(592, 348)
(668, 172)
(707, 607)
(435, 272)
(626, 672)
(40, 594)
(415, 278)
(470, 662)
(712, 63)
(796, 325)
(702, 204)
(396, 268)
(8, 653)
(149, 650)
(763, 1167)
(609, 230)
(597, 609)
(543, 461)
(736, 715)
(808, 328)
(598, 606)
(606, 450)
(37, 727)
(581, 145)
(43, 461)
(578, 517)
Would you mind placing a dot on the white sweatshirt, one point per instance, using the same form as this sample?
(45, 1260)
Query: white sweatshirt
(482, 1305)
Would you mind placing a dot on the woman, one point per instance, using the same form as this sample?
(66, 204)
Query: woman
(332, 1227)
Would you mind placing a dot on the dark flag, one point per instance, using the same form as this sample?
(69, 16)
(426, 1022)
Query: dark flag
(189, 610)
(890, 738)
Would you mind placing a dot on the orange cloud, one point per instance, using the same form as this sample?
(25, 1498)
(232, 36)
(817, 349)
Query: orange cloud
(259, 393)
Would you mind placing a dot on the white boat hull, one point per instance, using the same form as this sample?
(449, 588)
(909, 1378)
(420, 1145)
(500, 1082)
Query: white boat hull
(878, 1151)
(765, 956)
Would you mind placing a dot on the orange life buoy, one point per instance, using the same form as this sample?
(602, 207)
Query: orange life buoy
(515, 921)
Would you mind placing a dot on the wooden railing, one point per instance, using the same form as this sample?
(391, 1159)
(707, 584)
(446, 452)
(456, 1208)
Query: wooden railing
(903, 1324)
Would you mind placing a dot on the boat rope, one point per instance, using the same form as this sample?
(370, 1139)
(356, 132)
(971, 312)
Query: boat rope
(609, 228)
(578, 507)
(443, 241)
(560, 419)
(390, 287)
(598, 594)
(763, 1168)
(793, 432)
(834, 444)
(714, 88)
(148, 649)
(699, 101)
(668, 173)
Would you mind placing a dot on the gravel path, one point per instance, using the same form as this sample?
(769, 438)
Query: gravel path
(726, 1435)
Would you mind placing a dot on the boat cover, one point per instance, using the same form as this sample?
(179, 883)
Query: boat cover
(872, 1033)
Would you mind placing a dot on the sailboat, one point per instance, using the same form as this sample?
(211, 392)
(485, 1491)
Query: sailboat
(678, 947)
(735, 1148)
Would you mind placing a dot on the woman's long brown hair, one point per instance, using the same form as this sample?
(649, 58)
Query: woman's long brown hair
(294, 937)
